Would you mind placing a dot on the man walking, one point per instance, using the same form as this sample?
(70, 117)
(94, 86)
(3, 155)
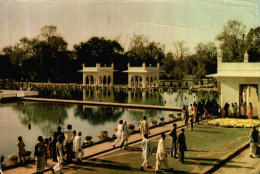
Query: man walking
(144, 128)
(173, 134)
(39, 154)
(161, 155)
(69, 136)
(125, 134)
(181, 144)
(147, 150)
(119, 133)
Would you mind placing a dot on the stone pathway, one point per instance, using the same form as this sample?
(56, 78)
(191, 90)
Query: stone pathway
(96, 150)
(241, 164)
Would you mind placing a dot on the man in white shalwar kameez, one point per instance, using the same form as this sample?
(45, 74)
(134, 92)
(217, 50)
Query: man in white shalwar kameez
(77, 145)
(119, 133)
(125, 134)
(60, 156)
(147, 150)
(161, 155)
(144, 127)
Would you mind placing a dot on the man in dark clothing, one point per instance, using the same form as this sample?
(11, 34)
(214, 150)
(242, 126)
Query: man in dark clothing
(181, 144)
(173, 134)
(253, 139)
(226, 109)
(55, 140)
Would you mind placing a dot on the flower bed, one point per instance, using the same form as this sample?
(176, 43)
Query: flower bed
(237, 123)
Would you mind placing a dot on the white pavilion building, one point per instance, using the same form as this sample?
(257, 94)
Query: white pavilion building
(143, 77)
(98, 75)
(238, 82)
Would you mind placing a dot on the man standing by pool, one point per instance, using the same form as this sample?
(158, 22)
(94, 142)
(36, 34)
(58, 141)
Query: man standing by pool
(253, 138)
(181, 144)
(69, 136)
(144, 127)
(173, 134)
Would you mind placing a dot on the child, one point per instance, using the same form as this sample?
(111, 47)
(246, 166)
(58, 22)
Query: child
(20, 149)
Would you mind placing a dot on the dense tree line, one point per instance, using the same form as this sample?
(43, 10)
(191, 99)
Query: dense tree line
(46, 57)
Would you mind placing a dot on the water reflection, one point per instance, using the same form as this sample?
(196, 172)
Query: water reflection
(46, 117)
(98, 115)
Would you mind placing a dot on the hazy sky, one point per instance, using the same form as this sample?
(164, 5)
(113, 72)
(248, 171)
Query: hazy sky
(164, 21)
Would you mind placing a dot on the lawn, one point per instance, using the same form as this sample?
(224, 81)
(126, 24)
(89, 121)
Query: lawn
(206, 144)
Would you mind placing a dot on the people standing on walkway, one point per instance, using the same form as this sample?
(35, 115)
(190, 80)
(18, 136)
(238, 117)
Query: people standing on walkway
(253, 138)
(147, 151)
(250, 111)
(191, 123)
(125, 134)
(55, 140)
(245, 109)
(161, 155)
(119, 133)
(60, 156)
(39, 155)
(195, 113)
(186, 115)
(46, 150)
(144, 127)
(236, 110)
(226, 108)
(77, 147)
(181, 144)
(51, 147)
(173, 135)
(20, 150)
(69, 136)
(200, 109)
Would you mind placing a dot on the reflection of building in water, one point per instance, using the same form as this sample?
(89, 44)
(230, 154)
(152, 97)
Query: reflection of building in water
(97, 75)
(239, 82)
(98, 95)
(144, 97)
(143, 76)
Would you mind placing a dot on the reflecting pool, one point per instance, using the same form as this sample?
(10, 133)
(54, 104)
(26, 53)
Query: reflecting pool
(90, 120)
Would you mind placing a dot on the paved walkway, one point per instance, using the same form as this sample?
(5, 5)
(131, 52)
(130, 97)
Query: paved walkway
(241, 164)
(96, 149)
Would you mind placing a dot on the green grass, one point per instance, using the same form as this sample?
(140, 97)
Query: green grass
(205, 144)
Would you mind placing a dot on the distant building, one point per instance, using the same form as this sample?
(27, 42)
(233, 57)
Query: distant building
(238, 82)
(143, 76)
(97, 75)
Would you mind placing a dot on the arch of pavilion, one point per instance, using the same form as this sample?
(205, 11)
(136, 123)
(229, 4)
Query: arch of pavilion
(143, 77)
(98, 75)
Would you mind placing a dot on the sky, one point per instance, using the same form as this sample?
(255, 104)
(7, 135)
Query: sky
(161, 21)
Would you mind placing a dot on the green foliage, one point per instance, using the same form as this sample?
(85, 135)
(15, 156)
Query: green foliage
(141, 50)
(232, 41)
(253, 41)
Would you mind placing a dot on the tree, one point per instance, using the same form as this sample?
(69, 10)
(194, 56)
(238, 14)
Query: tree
(43, 57)
(206, 55)
(104, 51)
(253, 42)
(232, 41)
(142, 51)
(180, 53)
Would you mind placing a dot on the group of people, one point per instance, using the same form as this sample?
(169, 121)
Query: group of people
(65, 144)
(178, 142)
(235, 111)
(122, 134)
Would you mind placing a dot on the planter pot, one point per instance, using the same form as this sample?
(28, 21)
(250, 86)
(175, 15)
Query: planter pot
(154, 124)
(102, 138)
(131, 130)
(12, 162)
